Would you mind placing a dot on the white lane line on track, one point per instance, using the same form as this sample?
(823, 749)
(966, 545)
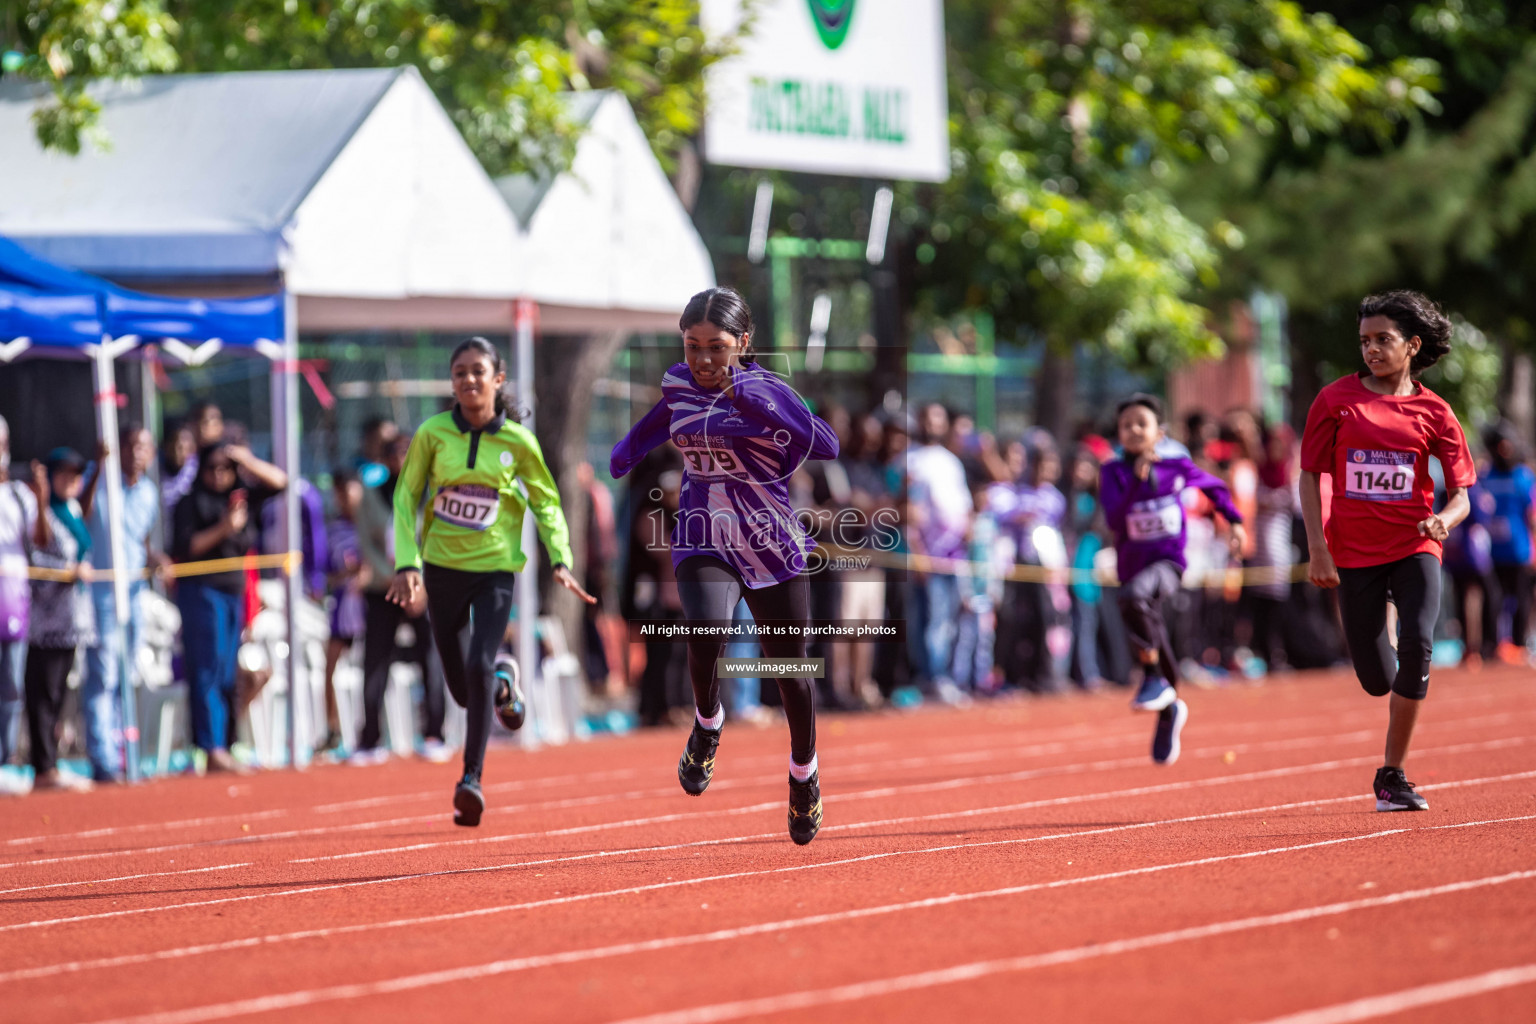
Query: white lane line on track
(1372, 1007)
(1079, 736)
(436, 918)
(801, 1000)
(1077, 954)
(655, 886)
(125, 878)
(834, 797)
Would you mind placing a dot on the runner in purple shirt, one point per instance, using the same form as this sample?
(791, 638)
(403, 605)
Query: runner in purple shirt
(742, 432)
(1140, 492)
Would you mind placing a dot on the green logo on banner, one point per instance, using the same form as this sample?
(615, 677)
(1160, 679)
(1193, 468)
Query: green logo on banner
(832, 18)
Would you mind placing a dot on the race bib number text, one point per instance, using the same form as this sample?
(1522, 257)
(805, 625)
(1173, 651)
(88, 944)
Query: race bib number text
(1378, 476)
(1155, 520)
(467, 505)
(708, 462)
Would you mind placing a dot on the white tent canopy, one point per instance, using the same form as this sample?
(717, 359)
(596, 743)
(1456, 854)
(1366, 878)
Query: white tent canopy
(609, 234)
(354, 188)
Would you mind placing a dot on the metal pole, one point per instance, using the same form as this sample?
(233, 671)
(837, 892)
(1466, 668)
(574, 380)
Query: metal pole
(527, 586)
(285, 443)
(111, 467)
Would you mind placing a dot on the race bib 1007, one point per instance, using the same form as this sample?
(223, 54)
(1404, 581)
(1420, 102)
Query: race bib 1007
(1158, 519)
(468, 505)
(1378, 476)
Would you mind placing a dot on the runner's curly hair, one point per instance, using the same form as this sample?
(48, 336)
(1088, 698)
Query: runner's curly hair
(1414, 315)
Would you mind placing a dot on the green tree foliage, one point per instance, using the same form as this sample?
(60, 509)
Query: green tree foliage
(1079, 126)
(66, 43)
(498, 67)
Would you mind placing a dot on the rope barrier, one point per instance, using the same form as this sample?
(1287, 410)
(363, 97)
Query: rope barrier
(1216, 579)
(290, 562)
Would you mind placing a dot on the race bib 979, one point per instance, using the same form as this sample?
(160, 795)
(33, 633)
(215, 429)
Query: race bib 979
(468, 505)
(1378, 476)
(1158, 519)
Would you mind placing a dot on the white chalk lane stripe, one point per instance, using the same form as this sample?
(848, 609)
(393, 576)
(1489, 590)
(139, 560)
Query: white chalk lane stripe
(314, 933)
(1078, 735)
(831, 797)
(804, 1000)
(1412, 998)
(124, 878)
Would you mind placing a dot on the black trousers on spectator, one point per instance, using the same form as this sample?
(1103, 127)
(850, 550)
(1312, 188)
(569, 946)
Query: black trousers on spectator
(47, 673)
(469, 613)
(1023, 622)
(1141, 606)
(379, 653)
(1515, 581)
(709, 590)
(1461, 585)
(1413, 583)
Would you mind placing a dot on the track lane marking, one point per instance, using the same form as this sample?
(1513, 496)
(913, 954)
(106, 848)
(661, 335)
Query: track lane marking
(1081, 732)
(863, 990)
(124, 878)
(1372, 1007)
(27, 973)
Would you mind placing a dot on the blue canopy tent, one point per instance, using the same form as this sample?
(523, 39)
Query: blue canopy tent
(54, 311)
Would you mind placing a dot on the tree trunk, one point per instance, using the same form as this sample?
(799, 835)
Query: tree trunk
(567, 368)
(1517, 403)
(1055, 391)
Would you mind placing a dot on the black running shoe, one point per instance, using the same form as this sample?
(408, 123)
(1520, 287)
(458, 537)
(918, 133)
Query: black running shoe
(1395, 793)
(511, 709)
(697, 765)
(1165, 740)
(804, 809)
(468, 801)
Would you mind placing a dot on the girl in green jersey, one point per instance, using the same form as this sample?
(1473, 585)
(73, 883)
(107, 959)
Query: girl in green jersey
(468, 461)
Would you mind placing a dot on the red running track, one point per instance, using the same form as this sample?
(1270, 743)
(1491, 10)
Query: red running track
(1008, 861)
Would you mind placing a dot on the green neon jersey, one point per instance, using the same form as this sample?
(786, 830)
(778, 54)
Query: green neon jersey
(474, 515)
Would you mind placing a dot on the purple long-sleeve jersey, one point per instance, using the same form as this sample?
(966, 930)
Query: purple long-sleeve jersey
(1147, 516)
(738, 455)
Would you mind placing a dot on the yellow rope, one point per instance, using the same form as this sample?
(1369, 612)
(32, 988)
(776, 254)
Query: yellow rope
(1219, 579)
(289, 562)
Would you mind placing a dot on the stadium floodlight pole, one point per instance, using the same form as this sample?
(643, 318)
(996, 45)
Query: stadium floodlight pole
(102, 358)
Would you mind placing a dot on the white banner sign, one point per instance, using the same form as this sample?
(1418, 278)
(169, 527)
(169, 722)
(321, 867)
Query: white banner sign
(833, 86)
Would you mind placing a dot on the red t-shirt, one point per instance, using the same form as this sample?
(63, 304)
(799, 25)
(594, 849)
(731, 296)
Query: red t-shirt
(1377, 449)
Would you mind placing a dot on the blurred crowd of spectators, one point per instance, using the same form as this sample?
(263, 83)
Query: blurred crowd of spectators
(991, 553)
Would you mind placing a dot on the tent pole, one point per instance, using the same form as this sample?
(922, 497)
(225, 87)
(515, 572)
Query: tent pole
(285, 442)
(111, 466)
(527, 586)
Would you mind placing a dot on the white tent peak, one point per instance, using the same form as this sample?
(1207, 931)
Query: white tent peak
(609, 233)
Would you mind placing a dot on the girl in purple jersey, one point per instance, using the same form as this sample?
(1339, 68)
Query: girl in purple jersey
(1141, 495)
(742, 432)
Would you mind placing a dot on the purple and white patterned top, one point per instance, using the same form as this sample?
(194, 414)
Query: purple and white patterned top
(738, 455)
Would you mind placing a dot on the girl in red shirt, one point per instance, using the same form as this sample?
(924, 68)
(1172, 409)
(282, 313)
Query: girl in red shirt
(1374, 432)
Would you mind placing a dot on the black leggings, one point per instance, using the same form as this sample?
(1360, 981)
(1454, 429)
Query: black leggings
(1141, 606)
(1414, 586)
(46, 676)
(709, 590)
(379, 654)
(469, 612)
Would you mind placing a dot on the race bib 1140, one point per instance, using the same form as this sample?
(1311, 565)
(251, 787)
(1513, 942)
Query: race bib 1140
(1378, 476)
(1158, 519)
(468, 505)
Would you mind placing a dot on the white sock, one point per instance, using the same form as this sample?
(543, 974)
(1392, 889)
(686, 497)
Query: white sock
(802, 772)
(714, 723)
